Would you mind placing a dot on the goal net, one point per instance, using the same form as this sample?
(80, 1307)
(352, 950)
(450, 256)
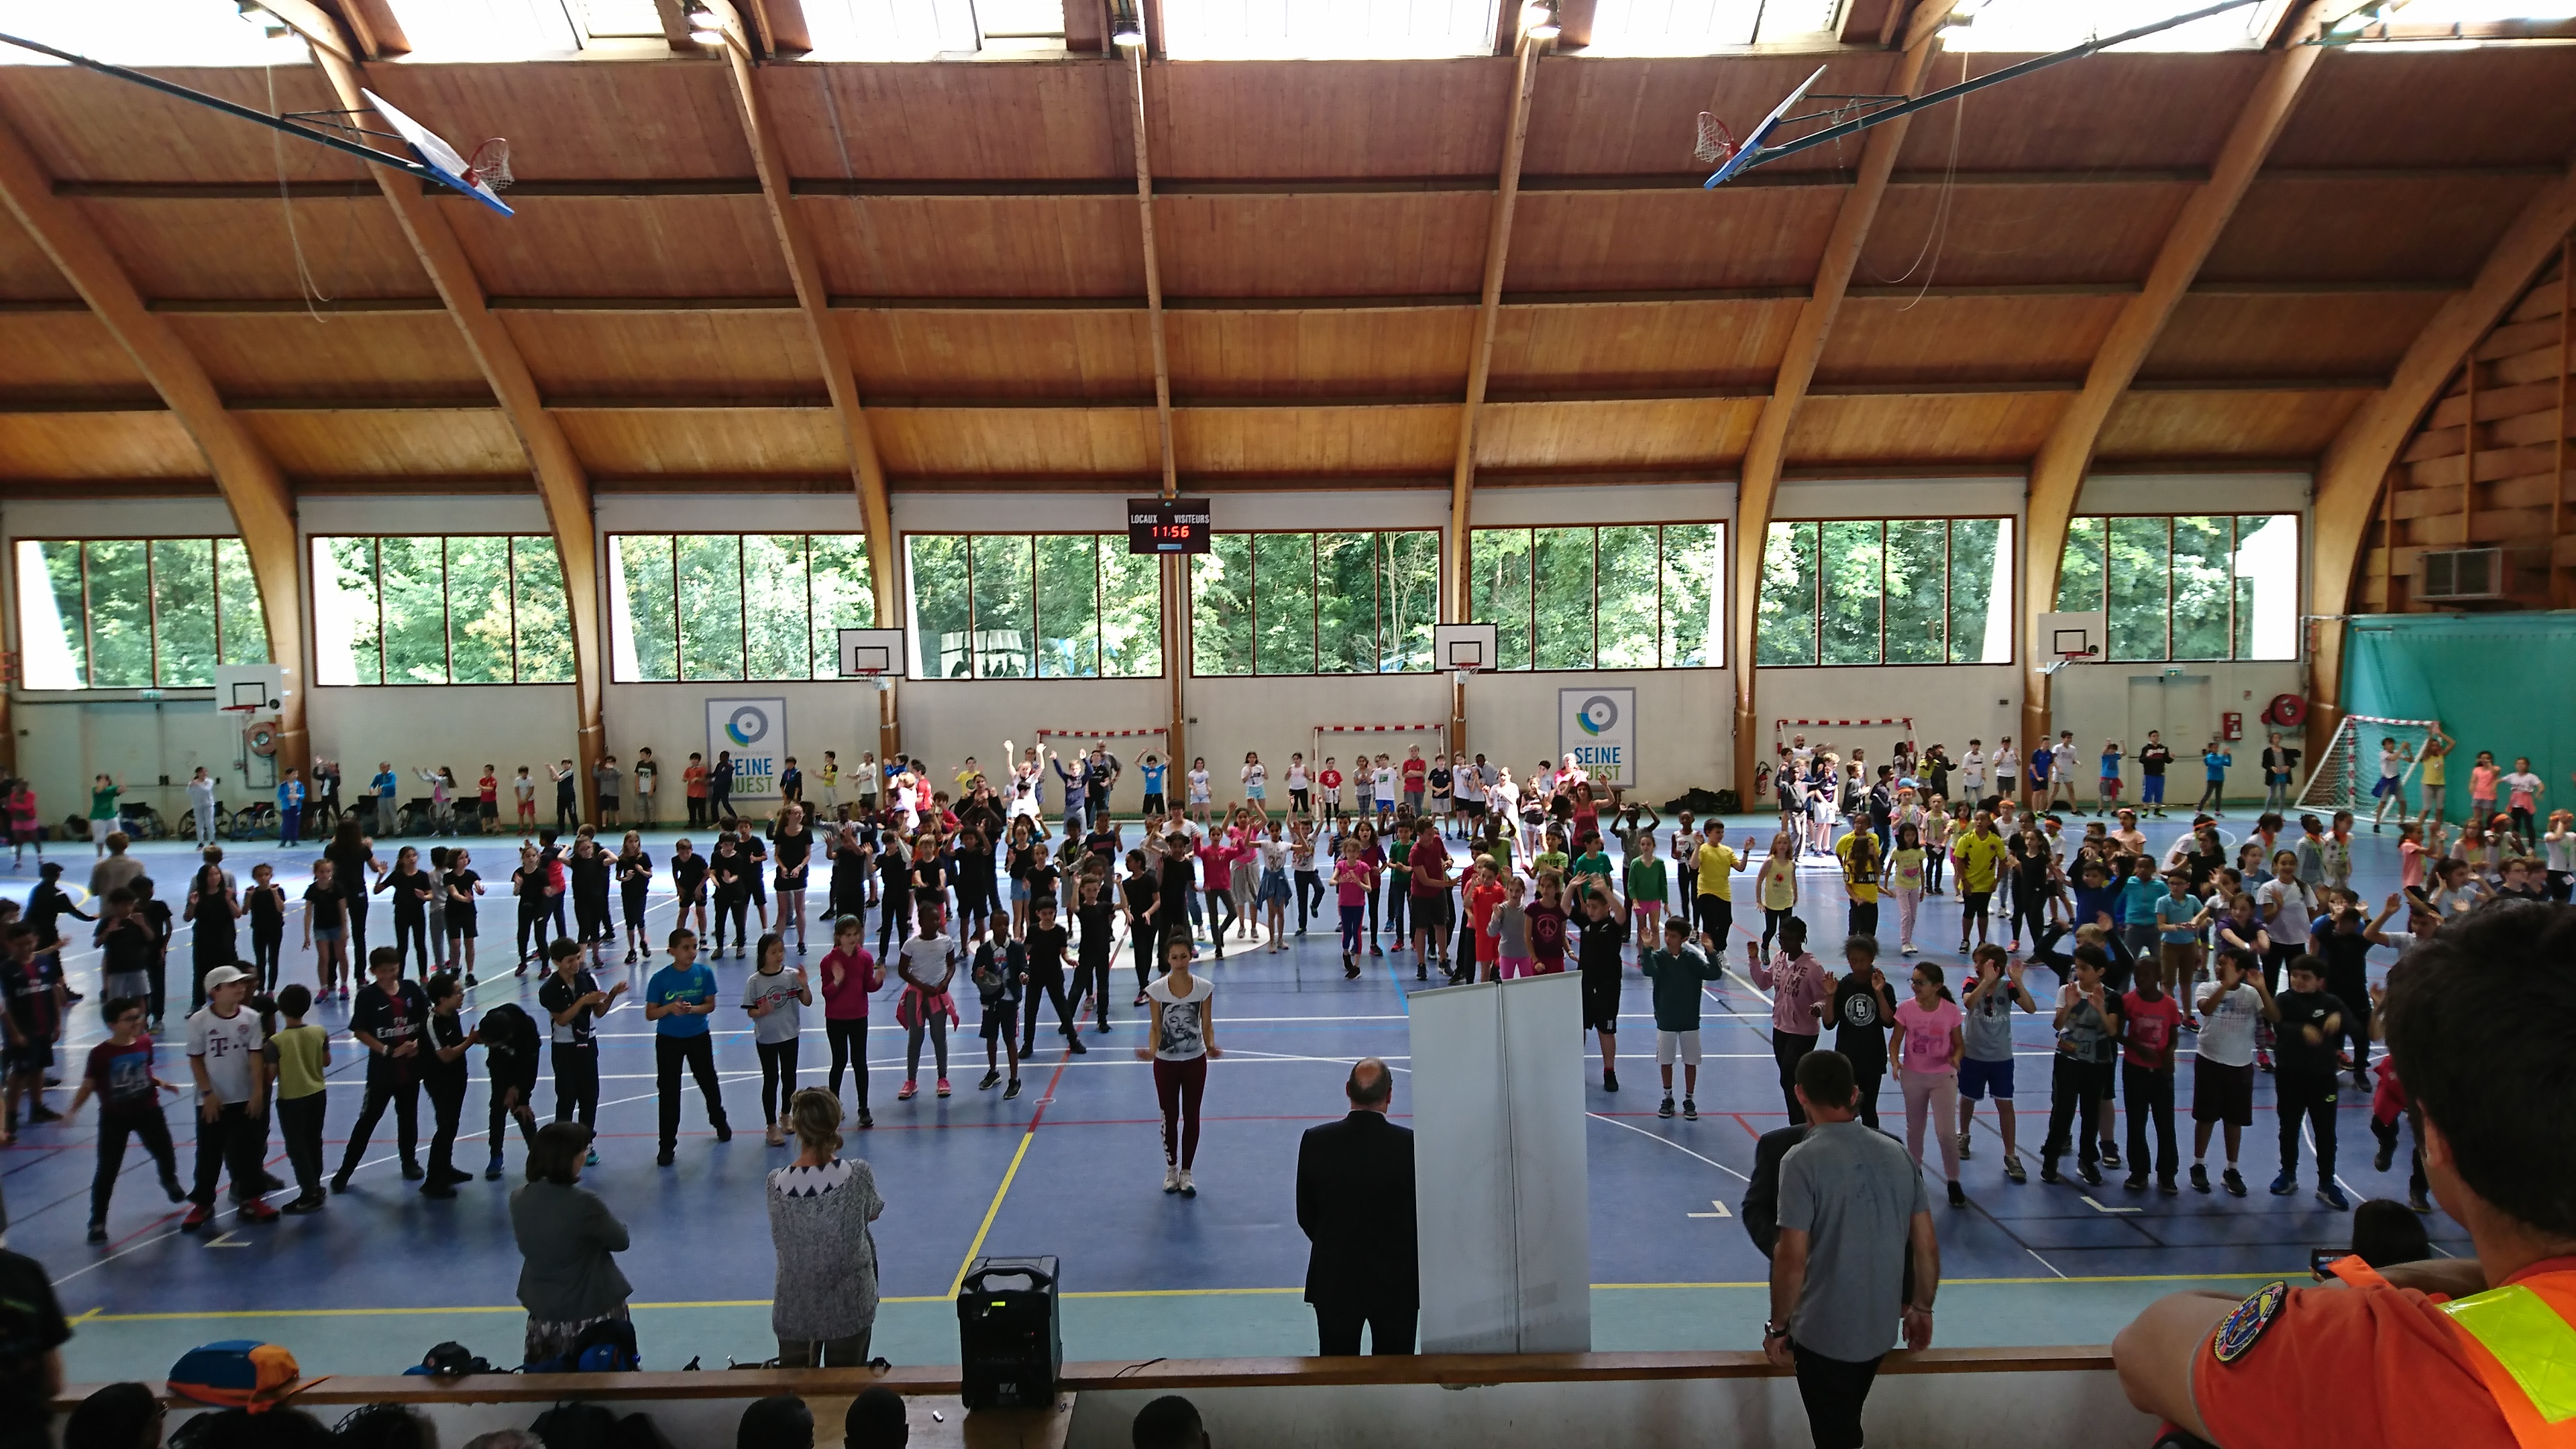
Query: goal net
(2347, 775)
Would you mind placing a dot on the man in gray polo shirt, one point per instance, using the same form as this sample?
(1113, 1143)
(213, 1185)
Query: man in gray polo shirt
(1849, 1201)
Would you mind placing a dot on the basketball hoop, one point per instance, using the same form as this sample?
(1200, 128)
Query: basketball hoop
(2061, 661)
(490, 164)
(1714, 143)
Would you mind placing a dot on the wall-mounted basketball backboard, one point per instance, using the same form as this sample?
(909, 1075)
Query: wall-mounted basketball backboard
(867, 652)
(1463, 647)
(2073, 638)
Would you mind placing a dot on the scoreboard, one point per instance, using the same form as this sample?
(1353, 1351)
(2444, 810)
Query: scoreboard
(1167, 525)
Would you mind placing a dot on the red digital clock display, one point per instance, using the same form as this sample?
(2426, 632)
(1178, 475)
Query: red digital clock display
(1167, 525)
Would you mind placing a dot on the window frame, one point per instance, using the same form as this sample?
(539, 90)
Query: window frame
(446, 603)
(1037, 628)
(2235, 542)
(151, 604)
(1949, 567)
(1383, 559)
(609, 584)
(1719, 645)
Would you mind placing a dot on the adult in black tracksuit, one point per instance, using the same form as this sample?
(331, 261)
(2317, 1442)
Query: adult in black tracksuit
(390, 1019)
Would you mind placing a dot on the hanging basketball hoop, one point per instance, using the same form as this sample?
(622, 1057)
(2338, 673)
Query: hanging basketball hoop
(1714, 143)
(490, 164)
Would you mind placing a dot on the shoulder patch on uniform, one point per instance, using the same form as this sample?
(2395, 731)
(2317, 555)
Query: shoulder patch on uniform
(2244, 1327)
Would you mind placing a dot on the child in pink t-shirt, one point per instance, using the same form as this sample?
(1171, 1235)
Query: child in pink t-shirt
(1928, 1048)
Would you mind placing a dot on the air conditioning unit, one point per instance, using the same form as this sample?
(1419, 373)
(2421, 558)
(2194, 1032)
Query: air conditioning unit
(2462, 573)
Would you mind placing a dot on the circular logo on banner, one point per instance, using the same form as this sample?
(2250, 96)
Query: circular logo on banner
(1598, 713)
(749, 725)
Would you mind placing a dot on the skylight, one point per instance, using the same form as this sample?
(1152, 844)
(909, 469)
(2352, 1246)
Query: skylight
(915, 29)
(2034, 26)
(146, 33)
(1308, 30)
(1700, 27)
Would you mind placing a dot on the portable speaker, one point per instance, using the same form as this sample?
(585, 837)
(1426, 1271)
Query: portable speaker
(1010, 1339)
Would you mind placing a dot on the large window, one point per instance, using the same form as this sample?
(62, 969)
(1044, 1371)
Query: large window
(467, 609)
(1886, 591)
(1645, 596)
(726, 606)
(2188, 586)
(134, 613)
(1315, 603)
(1033, 606)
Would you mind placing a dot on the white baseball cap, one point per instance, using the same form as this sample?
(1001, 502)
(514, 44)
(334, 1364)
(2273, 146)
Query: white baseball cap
(225, 976)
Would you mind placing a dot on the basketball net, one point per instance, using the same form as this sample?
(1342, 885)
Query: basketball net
(1714, 143)
(490, 164)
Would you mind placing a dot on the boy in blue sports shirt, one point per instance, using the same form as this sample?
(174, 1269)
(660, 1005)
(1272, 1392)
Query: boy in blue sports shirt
(1678, 971)
(2213, 793)
(1155, 769)
(2111, 757)
(677, 1000)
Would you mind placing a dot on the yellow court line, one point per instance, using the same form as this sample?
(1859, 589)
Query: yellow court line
(98, 1316)
(958, 1284)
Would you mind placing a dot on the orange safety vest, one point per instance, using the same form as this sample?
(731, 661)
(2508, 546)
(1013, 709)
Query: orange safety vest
(2522, 1339)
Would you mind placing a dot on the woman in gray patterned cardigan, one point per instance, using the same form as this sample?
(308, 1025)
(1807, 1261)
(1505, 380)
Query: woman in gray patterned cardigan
(825, 1305)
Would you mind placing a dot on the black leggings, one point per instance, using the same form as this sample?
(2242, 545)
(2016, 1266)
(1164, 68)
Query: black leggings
(635, 912)
(733, 906)
(2029, 908)
(1220, 913)
(1047, 988)
(113, 1129)
(532, 931)
(264, 949)
(1308, 884)
(849, 1039)
(777, 1076)
(1771, 922)
(1091, 975)
(894, 921)
(1143, 941)
(1786, 1049)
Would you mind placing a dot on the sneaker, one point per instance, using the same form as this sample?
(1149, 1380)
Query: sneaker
(910, 1090)
(1188, 1188)
(1008, 1092)
(257, 1210)
(724, 1131)
(943, 1081)
(2262, 1061)
(2284, 1185)
(1690, 1110)
(492, 1169)
(2013, 1171)
(2168, 1187)
(662, 1158)
(1963, 1147)
(867, 1119)
(773, 1137)
(2332, 1196)
(590, 1158)
(1074, 1045)
(97, 1233)
(2134, 1182)
(2386, 1154)
(2234, 1184)
(2110, 1155)
(170, 1186)
(438, 1189)
(2419, 1202)
(991, 1079)
(2048, 1170)
(1666, 1109)
(2090, 1172)
(2199, 1178)
(199, 1214)
(1958, 1196)
(1905, 949)
(1609, 1080)
(340, 1180)
(1171, 1177)
(412, 1172)
(470, 981)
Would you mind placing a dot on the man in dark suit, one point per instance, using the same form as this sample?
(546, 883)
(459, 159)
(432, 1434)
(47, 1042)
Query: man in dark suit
(1355, 1203)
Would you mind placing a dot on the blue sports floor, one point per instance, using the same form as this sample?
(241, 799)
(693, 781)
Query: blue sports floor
(1073, 1168)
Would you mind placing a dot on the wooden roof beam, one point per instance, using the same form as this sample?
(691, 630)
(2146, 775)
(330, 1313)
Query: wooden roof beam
(831, 346)
(2057, 475)
(262, 506)
(1768, 449)
(1480, 353)
(562, 484)
(2356, 464)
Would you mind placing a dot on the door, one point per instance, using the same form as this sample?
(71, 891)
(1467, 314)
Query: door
(2176, 704)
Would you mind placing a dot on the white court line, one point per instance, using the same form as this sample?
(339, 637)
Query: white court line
(1668, 1142)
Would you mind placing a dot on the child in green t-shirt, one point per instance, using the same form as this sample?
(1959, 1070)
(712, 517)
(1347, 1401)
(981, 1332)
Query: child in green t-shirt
(303, 1057)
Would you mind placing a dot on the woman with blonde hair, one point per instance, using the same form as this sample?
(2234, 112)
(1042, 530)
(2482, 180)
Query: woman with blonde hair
(824, 1307)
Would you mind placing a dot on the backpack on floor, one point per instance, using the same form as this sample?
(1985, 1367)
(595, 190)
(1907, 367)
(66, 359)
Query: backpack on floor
(606, 1347)
(236, 1373)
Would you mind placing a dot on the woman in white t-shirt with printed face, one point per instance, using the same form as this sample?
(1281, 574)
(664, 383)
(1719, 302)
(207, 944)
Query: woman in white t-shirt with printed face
(1184, 1043)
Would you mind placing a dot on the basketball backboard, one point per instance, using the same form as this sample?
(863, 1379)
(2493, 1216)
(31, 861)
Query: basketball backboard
(871, 652)
(2073, 638)
(1751, 145)
(1464, 647)
(437, 155)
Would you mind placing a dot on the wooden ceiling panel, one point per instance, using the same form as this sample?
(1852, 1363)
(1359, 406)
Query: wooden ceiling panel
(1919, 428)
(1057, 121)
(2156, 424)
(1291, 441)
(342, 355)
(667, 118)
(1641, 345)
(1320, 245)
(65, 355)
(1015, 442)
(710, 444)
(1582, 241)
(2434, 229)
(2018, 235)
(1344, 352)
(1243, 119)
(239, 250)
(26, 273)
(433, 442)
(2328, 334)
(667, 246)
(1596, 116)
(84, 126)
(2419, 105)
(747, 355)
(962, 353)
(2144, 109)
(1711, 431)
(970, 246)
(1966, 339)
(97, 445)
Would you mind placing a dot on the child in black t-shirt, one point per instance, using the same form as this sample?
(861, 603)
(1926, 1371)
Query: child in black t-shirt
(1001, 970)
(156, 915)
(2305, 1046)
(119, 1073)
(265, 904)
(326, 932)
(460, 885)
(1046, 946)
(1098, 917)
